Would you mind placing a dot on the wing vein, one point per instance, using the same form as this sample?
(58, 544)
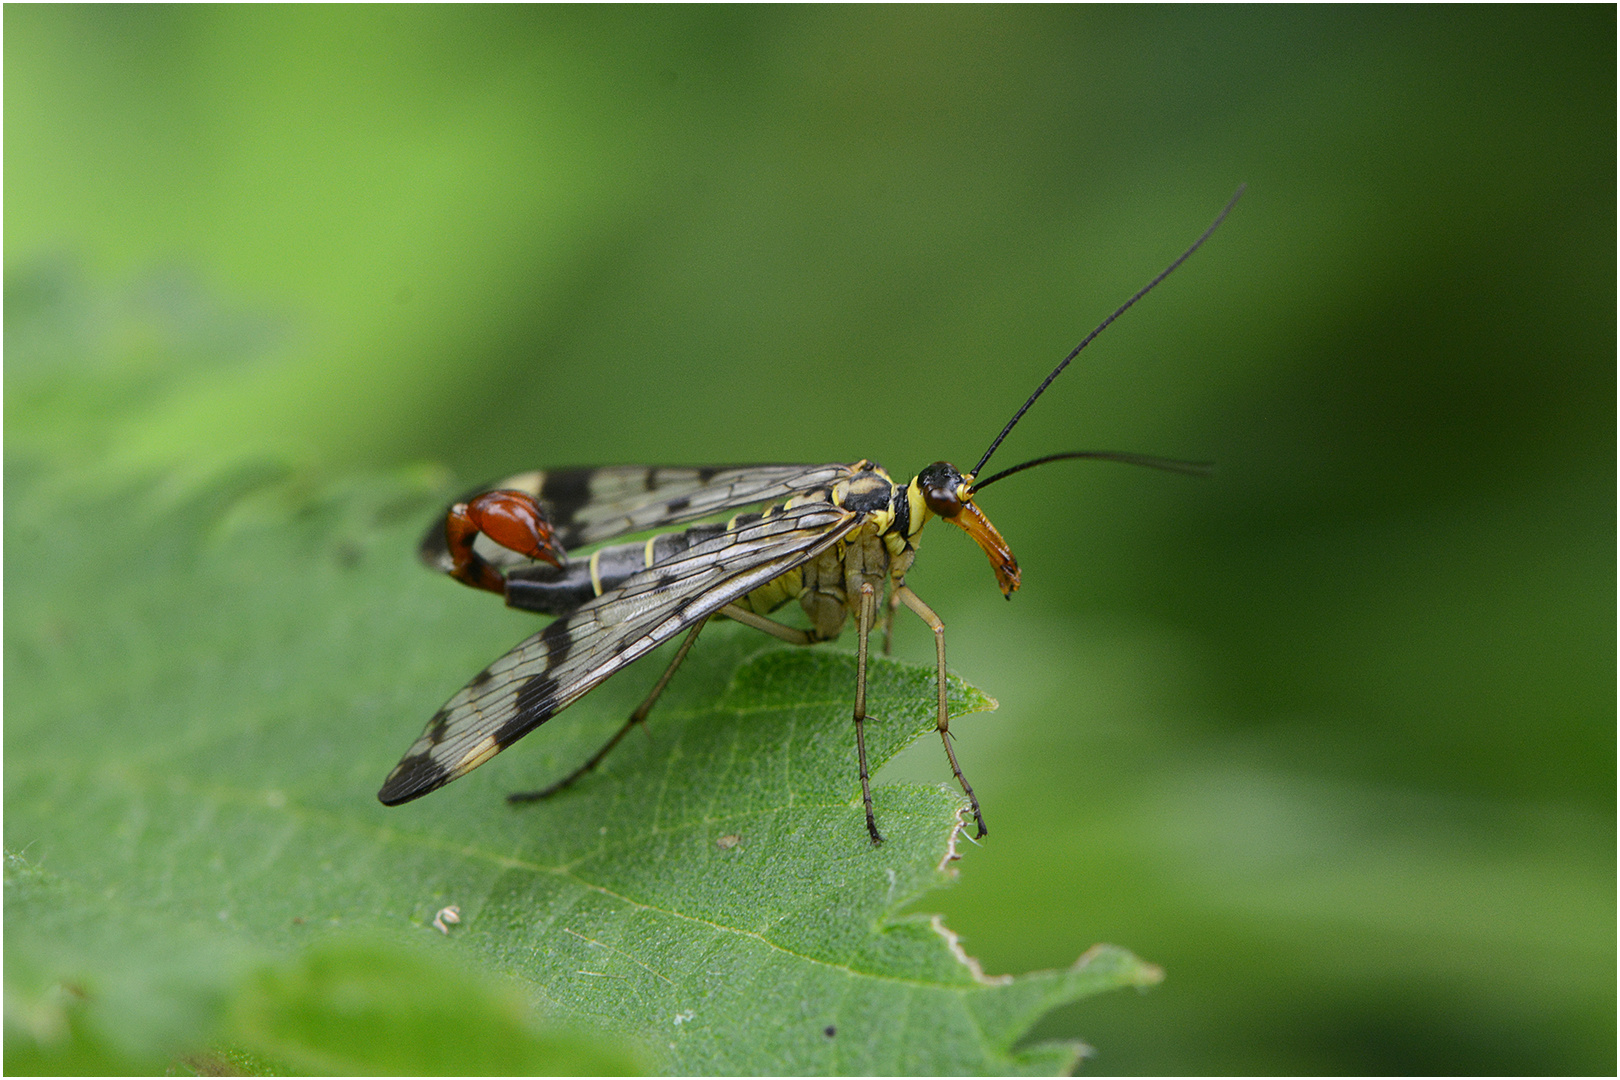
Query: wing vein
(568, 658)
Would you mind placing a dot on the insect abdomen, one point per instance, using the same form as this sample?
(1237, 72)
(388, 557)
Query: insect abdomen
(550, 591)
(547, 590)
(774, 593)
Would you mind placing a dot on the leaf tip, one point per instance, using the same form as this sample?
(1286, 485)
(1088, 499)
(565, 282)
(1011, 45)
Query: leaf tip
(1120, 966)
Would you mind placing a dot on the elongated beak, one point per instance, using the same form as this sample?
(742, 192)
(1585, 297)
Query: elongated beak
(973, 522)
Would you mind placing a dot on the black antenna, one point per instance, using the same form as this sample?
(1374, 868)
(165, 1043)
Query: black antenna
(1041, 389)
(1175, 465)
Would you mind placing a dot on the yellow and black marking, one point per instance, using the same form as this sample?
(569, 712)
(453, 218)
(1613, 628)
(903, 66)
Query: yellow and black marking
(838, 538)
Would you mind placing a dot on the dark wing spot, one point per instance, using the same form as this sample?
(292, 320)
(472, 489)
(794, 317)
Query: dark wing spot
(744, 520)
(675, 506)
(536, 702)
(558, 641)
(668, 545)
(435, 729)
(479, 679)
(565, 492)
(412, 778)
(706, 474)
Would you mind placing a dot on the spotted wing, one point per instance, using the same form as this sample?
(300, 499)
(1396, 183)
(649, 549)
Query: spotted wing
(571, 656)
(588, 505)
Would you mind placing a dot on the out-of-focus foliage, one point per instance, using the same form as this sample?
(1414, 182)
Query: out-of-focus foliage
(1331, 737)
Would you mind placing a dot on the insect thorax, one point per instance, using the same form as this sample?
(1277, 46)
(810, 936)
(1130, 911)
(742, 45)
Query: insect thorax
(877, 550)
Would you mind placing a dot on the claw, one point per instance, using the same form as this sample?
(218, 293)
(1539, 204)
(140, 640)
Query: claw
(514, 520)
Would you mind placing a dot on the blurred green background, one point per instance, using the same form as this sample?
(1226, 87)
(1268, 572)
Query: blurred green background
(1331, 737)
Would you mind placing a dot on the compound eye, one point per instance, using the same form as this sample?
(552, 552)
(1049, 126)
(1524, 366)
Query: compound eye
(941, 485)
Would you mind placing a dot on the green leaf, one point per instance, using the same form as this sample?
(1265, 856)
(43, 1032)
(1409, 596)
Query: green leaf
(371, 1007)
(207, 683)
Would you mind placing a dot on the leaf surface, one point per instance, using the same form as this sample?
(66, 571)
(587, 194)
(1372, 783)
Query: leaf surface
(206, 686)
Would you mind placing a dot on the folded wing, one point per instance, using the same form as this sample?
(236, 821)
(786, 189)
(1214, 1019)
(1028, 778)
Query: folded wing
(589, 505)
(559, 665)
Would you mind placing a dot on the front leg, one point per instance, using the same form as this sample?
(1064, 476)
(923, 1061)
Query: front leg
(935, 623)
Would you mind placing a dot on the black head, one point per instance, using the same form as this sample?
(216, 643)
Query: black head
(949, 494)
(944, 489)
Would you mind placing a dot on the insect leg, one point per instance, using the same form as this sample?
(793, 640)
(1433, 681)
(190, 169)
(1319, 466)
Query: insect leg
(935, 623)
(790, 634)
(795, 636)
(864, 622)
(888, 620)
(636, 717)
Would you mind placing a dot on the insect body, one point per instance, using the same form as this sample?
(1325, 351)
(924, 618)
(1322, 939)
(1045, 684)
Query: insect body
(837, 538)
